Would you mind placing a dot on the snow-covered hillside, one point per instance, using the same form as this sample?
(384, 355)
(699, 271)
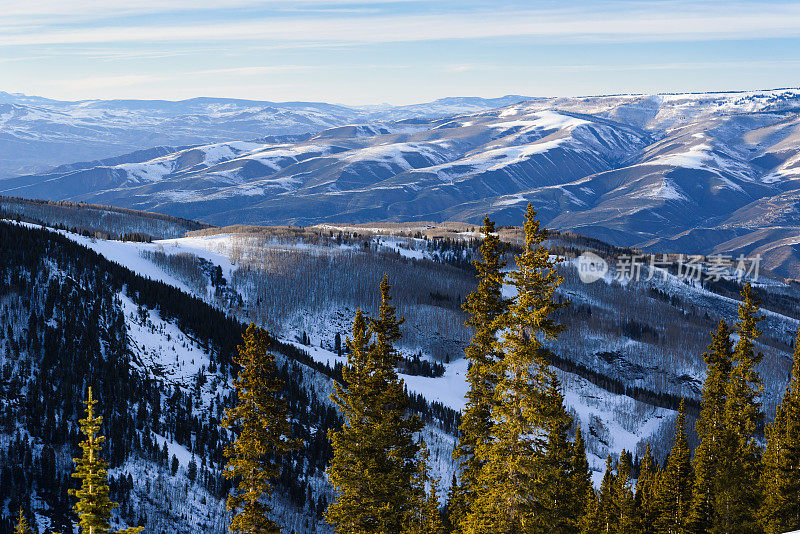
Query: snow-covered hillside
(671, 173)
(629, 352)
(41, 133)
(623, 332)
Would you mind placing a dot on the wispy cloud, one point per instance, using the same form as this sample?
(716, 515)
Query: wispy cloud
(105, 82)
(612, 67)
(363, 50)
(256, 70)
(690, 22)
(95, 9)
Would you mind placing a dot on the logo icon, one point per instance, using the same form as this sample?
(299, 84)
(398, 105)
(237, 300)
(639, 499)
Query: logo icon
(591, 267)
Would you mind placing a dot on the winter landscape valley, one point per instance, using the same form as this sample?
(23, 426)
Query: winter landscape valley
(399, 267)
(149, 308)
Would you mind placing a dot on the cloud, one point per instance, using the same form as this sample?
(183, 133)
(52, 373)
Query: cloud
(256, 70)
(94, 9)
(462, 68)
(610, 67)
(131, 80)
(687, 22)
(105, 82)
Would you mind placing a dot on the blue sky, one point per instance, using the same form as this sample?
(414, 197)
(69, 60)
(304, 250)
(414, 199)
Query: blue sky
(399, 52)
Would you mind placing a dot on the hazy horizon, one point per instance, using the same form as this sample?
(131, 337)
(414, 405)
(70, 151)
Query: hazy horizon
(393, 51)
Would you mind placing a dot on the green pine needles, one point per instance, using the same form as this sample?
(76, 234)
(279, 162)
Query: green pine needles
(94, 505)
(523, 458)
(260, 420)
(22, 526)
(376, 464)
(484, 307)
(780, 481)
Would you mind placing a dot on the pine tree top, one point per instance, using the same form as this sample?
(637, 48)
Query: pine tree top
(680, 424)
(22, 524)
(720, 350)
(795, 376)
(536, 281)
(386, 329)
(93, 506)
(747, 326)
(486, 303)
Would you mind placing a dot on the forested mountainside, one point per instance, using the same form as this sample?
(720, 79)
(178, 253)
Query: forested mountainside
(648, 332)
(160, 362)
(700, 173)
(101, 221)
(152, 326)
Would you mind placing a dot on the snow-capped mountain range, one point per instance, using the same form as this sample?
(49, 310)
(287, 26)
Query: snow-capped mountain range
(694, 173)
(38, 133)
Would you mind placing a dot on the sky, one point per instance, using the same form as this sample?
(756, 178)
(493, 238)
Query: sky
(393, 51)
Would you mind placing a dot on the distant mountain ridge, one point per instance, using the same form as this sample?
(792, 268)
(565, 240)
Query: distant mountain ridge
(706, 172)
(38, 133)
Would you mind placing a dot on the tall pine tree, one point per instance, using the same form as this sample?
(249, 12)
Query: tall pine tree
(260, 420)
(601, 515)
(510, 494)
(711, 432)
(646, 497)
(780, 511)
(582, 492)
(675, 483)
(94, 505)
(738, 498)
(22, 524)
(375, 454)
(424, 517)
(556, 474)
(483, 306)
(623, 497)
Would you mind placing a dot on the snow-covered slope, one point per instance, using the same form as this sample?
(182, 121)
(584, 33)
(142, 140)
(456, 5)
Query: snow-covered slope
(618, 337)
(639, 170)
(630, 349)
(38, 133)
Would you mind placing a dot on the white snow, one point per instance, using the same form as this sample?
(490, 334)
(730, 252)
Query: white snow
(703, 157)
(510, 201)
(395, 154)
(495, 159)
(161, 349)
(544, 120)
(183, 455)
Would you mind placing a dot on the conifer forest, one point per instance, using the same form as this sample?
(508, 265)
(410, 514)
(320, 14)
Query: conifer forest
(161, 399)
(400, 267)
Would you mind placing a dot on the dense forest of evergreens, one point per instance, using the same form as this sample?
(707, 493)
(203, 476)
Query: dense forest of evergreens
(74, 336)
(256, 430)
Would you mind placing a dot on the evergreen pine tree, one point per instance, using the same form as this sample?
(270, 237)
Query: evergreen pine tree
(374, 455)
(424, 517)
(646, 497)
(556, 474)
(483, 306)
(582, 492)
(623, 497)
(263, 434)
(738, 498)
(510, 496)
(451, 513)
(711, 431)
(600, 515)
(22, 524)
(675, 483)
(590, 522)
(94, 505)
(780, 511)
